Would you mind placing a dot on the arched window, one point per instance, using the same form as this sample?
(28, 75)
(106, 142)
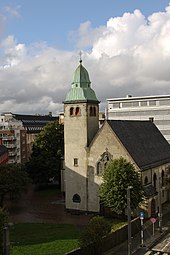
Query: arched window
(91, 111)
(76, 198)
(163, 177)
(102, 163)
(71, 111)
(153, 211)
(146, 180)
(94, 111)
(154, 180)
(99, 167)
(78, 111)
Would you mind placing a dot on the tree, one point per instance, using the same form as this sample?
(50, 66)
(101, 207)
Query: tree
(94, 231)
(118, 175)
(48, 149)
(13, 179)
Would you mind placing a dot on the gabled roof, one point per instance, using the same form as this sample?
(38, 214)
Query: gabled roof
(144, 142)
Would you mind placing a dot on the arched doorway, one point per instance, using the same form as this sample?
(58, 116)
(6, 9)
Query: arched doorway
(153, 208)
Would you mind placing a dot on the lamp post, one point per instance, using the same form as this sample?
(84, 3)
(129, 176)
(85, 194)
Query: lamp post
(6, 244)
(129, 220)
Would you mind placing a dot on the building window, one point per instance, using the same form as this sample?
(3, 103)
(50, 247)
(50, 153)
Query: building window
(78, 111)
(146, 180)
(163, 193)
(154, 180)
(99, 168)
(92, 111)
(115, 105)
(76, 198)
(103, 162)
(163, 177)
(143, 103)
(75, 161)
(151, 119)
(71, 111)
(152, 103)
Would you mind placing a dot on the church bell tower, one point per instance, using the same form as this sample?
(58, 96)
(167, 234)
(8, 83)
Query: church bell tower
(81, 123)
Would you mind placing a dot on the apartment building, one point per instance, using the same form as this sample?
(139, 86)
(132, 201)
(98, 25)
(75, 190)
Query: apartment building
(18, 132)
(154, 108)
(3, 154)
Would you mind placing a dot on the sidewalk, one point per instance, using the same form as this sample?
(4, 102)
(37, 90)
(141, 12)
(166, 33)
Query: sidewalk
(149, 238)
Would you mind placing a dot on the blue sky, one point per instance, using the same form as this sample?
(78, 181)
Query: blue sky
(53, 20)
(125, 48)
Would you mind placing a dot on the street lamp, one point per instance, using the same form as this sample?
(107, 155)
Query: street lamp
(129, 220)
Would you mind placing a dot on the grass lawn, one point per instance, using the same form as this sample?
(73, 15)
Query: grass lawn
(47, 239)
(43, 239)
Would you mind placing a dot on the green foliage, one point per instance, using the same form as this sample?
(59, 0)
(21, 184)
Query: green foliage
(48, 148)
(118, 175)
(3, 220)
(43, 238)
(13, 179)
(95, 230)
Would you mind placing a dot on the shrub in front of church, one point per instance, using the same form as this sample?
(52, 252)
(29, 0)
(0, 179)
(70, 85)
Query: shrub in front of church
(95, 230)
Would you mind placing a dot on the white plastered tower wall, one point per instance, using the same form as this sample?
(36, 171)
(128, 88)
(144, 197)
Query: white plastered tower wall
(81, 123)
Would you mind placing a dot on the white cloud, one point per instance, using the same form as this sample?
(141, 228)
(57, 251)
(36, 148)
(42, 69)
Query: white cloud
(127, 55)
(12, 11)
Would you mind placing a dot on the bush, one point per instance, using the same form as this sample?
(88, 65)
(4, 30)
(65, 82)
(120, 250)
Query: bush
(3, 220)
(95, 230)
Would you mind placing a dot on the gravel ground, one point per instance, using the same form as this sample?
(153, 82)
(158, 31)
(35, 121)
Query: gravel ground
(32, 207)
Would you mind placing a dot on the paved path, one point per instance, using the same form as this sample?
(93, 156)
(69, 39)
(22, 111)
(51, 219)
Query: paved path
(35, 208)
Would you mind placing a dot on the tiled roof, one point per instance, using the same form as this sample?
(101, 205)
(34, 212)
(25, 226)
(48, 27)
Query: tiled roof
(34, 123)
(144, 142)
(34, 118)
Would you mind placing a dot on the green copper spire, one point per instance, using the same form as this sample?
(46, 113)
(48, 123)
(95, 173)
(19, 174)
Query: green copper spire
(80, 88)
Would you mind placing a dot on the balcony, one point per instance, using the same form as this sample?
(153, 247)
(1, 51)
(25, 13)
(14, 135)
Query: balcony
(12, 154)
(8, 138)
(10, 146)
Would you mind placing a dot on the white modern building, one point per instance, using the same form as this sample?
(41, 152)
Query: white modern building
(154, 108)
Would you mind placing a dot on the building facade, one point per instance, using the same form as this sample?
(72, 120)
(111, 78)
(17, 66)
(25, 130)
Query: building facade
(18, 132)
(81, 123)
(154, 108)
(89, 148)
(3, 154)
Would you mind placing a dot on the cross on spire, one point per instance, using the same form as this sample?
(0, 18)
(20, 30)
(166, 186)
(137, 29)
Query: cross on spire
(80, 54)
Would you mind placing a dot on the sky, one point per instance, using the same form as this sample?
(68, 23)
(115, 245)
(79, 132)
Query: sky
(125, 47)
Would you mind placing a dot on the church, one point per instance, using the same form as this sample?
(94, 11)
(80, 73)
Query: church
(88, 149)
